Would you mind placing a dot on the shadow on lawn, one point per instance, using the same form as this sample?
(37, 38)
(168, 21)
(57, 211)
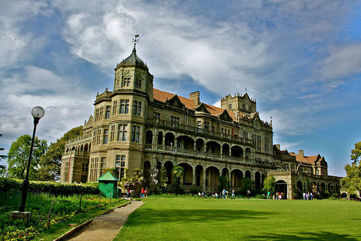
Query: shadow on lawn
(306, 236)
(151, 216)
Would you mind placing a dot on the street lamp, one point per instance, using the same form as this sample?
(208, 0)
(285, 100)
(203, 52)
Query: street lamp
(37, 112)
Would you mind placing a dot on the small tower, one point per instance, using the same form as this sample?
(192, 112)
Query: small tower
(133, 74)
(239, 103)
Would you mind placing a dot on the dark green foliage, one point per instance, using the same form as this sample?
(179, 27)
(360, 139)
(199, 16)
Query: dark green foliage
(246, 184)
(352, 182)
(223, 183)
(175, 188)
(51, 161)
(269, 184)
(60, 189)
(195, 190)
(64, 210)
(19, 155)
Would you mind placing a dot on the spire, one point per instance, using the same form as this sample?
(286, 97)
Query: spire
(133, 59)
(135, 39)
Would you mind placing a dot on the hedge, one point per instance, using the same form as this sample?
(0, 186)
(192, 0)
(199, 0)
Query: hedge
(54, 188)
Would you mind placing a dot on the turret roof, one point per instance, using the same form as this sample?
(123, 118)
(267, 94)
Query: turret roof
(133, 61)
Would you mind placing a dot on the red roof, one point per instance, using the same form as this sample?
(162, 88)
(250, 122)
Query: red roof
(163, 96)
(305, 159)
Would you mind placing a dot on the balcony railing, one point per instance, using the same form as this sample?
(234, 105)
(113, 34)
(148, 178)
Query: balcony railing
(165, 124)
(189, 152)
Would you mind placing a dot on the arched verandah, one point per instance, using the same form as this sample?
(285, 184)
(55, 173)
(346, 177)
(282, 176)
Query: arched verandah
(187, 178)
(236, 179)
(212, 179)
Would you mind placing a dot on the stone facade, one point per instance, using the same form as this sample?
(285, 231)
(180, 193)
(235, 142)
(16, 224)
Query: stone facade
(136, 126)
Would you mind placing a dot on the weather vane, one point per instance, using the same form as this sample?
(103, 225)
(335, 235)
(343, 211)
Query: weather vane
(135, 39)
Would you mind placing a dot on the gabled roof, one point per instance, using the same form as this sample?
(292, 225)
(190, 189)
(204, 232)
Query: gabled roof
(163, 96)
(306, 159)
(107, 177)
(225, 116)
(175, 100)
(202, 108)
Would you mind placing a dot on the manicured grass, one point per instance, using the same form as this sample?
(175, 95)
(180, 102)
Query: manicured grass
(64, 211)
(188, 218)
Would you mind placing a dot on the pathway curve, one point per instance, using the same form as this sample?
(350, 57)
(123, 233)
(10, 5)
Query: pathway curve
(106, 227)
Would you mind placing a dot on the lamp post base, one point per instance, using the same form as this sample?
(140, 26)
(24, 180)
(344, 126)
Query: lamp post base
(25, 216)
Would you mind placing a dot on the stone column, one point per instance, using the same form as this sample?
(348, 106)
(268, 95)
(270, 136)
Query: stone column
(194, 176)
(204, 179)
(155, 139)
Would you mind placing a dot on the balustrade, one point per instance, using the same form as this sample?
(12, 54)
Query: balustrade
(165, 124)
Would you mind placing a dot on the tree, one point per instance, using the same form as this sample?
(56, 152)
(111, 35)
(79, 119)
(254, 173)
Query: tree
(2, 167)
(223, 183)
(269, 184)
(352, 181)
(18, 156)
(178, 172)
(51, 161)
(356, 153)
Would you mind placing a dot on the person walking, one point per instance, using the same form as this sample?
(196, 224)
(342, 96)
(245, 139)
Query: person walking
(248, 193)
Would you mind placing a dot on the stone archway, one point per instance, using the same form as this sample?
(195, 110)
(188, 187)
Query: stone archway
(248, 174)
(212, 179)
(187, 178)
(281, 187)
(169, 167)
(236, 177)
(199, 145)
(237, 152)
(199, 175)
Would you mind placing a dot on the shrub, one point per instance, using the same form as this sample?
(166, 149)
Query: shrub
(54, 188)
(260, 196)
(175, 188)
(195, 190)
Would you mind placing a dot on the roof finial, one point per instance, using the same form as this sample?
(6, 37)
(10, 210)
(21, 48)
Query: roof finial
(135, 39)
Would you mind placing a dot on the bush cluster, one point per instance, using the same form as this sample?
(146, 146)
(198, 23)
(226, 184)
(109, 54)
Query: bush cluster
(54, 188)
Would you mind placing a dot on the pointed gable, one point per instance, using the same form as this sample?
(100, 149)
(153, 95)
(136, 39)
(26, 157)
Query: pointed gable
(225, 116)
(202, 108)
(175, 101)
(163, 96)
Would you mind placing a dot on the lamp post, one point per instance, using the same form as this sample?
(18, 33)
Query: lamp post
(37, 112)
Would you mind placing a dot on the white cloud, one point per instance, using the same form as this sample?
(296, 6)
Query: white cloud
(15, 45)
(342, 62)
(65, 102)
(220, 56)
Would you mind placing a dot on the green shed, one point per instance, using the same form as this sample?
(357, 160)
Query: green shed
(108, 185)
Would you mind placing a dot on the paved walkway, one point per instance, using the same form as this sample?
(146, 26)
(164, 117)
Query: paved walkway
(106, 227)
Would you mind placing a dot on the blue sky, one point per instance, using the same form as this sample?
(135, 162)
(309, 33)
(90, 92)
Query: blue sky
(300, 59)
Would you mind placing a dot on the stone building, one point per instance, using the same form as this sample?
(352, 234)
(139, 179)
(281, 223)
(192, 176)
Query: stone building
(136, 126)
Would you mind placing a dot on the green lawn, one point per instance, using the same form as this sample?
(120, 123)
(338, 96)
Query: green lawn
(188, 218)
(65, 214)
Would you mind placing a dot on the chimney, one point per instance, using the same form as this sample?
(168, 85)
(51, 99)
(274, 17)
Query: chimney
(194, 96)
(301, 153)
